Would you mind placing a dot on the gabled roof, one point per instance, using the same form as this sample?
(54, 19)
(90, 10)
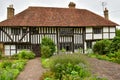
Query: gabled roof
(47, 16)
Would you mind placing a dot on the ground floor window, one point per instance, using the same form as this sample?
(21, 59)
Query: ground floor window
(10, 50)
(14, 49)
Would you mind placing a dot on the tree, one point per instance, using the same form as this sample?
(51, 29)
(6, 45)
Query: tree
(49, 44)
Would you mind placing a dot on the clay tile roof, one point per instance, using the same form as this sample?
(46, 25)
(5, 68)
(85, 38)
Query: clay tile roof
(46, 16)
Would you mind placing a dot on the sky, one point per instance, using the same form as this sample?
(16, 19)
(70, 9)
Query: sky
(93, 5)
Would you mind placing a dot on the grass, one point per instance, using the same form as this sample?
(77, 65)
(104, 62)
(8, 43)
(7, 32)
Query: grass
(112, 57)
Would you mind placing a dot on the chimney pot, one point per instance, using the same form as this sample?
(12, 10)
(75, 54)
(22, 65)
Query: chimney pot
(106, 14)
(72, 5)
(10, 12)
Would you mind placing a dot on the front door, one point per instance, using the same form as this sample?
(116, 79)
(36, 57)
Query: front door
(36, 49)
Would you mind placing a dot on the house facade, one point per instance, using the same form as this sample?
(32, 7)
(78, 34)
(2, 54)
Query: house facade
(69, 28)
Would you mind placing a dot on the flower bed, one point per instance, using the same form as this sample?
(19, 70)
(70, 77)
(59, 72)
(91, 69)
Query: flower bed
(67, 67)
(9, 69)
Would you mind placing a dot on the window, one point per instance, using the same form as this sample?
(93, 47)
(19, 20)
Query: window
(24, 30)
(35, 30)
(15, 31)
(78, 46)
(89, 44)
(97, 30)
(20, 47)
(66, 31)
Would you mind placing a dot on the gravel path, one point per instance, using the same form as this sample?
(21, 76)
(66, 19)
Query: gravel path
(106, 69)
(33, 70)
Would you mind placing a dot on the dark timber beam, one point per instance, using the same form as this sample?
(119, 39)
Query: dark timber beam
(6, 34)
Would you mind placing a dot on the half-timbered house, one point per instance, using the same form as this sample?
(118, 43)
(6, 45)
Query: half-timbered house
(69, 28)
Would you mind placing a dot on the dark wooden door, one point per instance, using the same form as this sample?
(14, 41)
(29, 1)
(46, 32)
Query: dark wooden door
(36, 49)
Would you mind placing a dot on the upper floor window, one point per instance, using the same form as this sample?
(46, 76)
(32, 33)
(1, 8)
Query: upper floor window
(66, 31)
(97, 30)
(15, 31)
(24, 30)
(35, 30)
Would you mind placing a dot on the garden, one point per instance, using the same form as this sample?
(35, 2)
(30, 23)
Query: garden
(11, 66)
(64, 66)
(108, 50)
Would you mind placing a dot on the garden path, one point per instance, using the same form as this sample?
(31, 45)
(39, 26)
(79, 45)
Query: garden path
(106, 69)
(33, 70)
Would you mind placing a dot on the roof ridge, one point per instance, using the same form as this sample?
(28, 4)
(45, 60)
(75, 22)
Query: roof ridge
(55, 7)
(55, 16)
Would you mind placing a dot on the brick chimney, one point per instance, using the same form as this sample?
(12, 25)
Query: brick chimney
(72, 5)
(106, 15)
(10, 12)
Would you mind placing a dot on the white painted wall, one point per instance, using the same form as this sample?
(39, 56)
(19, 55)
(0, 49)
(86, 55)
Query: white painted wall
(105, 29)
(88, 36)
(112, 35)
(97, 36)
(105, 36)
(112, 29)
(88, 29)
(88, 33)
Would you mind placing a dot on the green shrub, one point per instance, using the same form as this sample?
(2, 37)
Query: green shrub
(101, 47)
(0, 55)
(67, 58)
(6, 75)
(6, 64)
(18, 64)
(46, 52)
(10, 69)
(115, 45)
(63, 50)
(15, 56)
(25, 54)
(67, 67)
(49, 43)
(117, 56)
(118, 32)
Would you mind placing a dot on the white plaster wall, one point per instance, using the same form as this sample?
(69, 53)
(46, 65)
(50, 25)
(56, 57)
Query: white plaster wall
(97, 36)
(112, 29)
(93, 43)
(88, 29)
(88, 36)
(105, 36)
(112, 35)
(85, 47)
(105, 29)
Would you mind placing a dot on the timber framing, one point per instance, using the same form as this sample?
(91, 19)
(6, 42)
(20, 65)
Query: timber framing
(71, 29)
